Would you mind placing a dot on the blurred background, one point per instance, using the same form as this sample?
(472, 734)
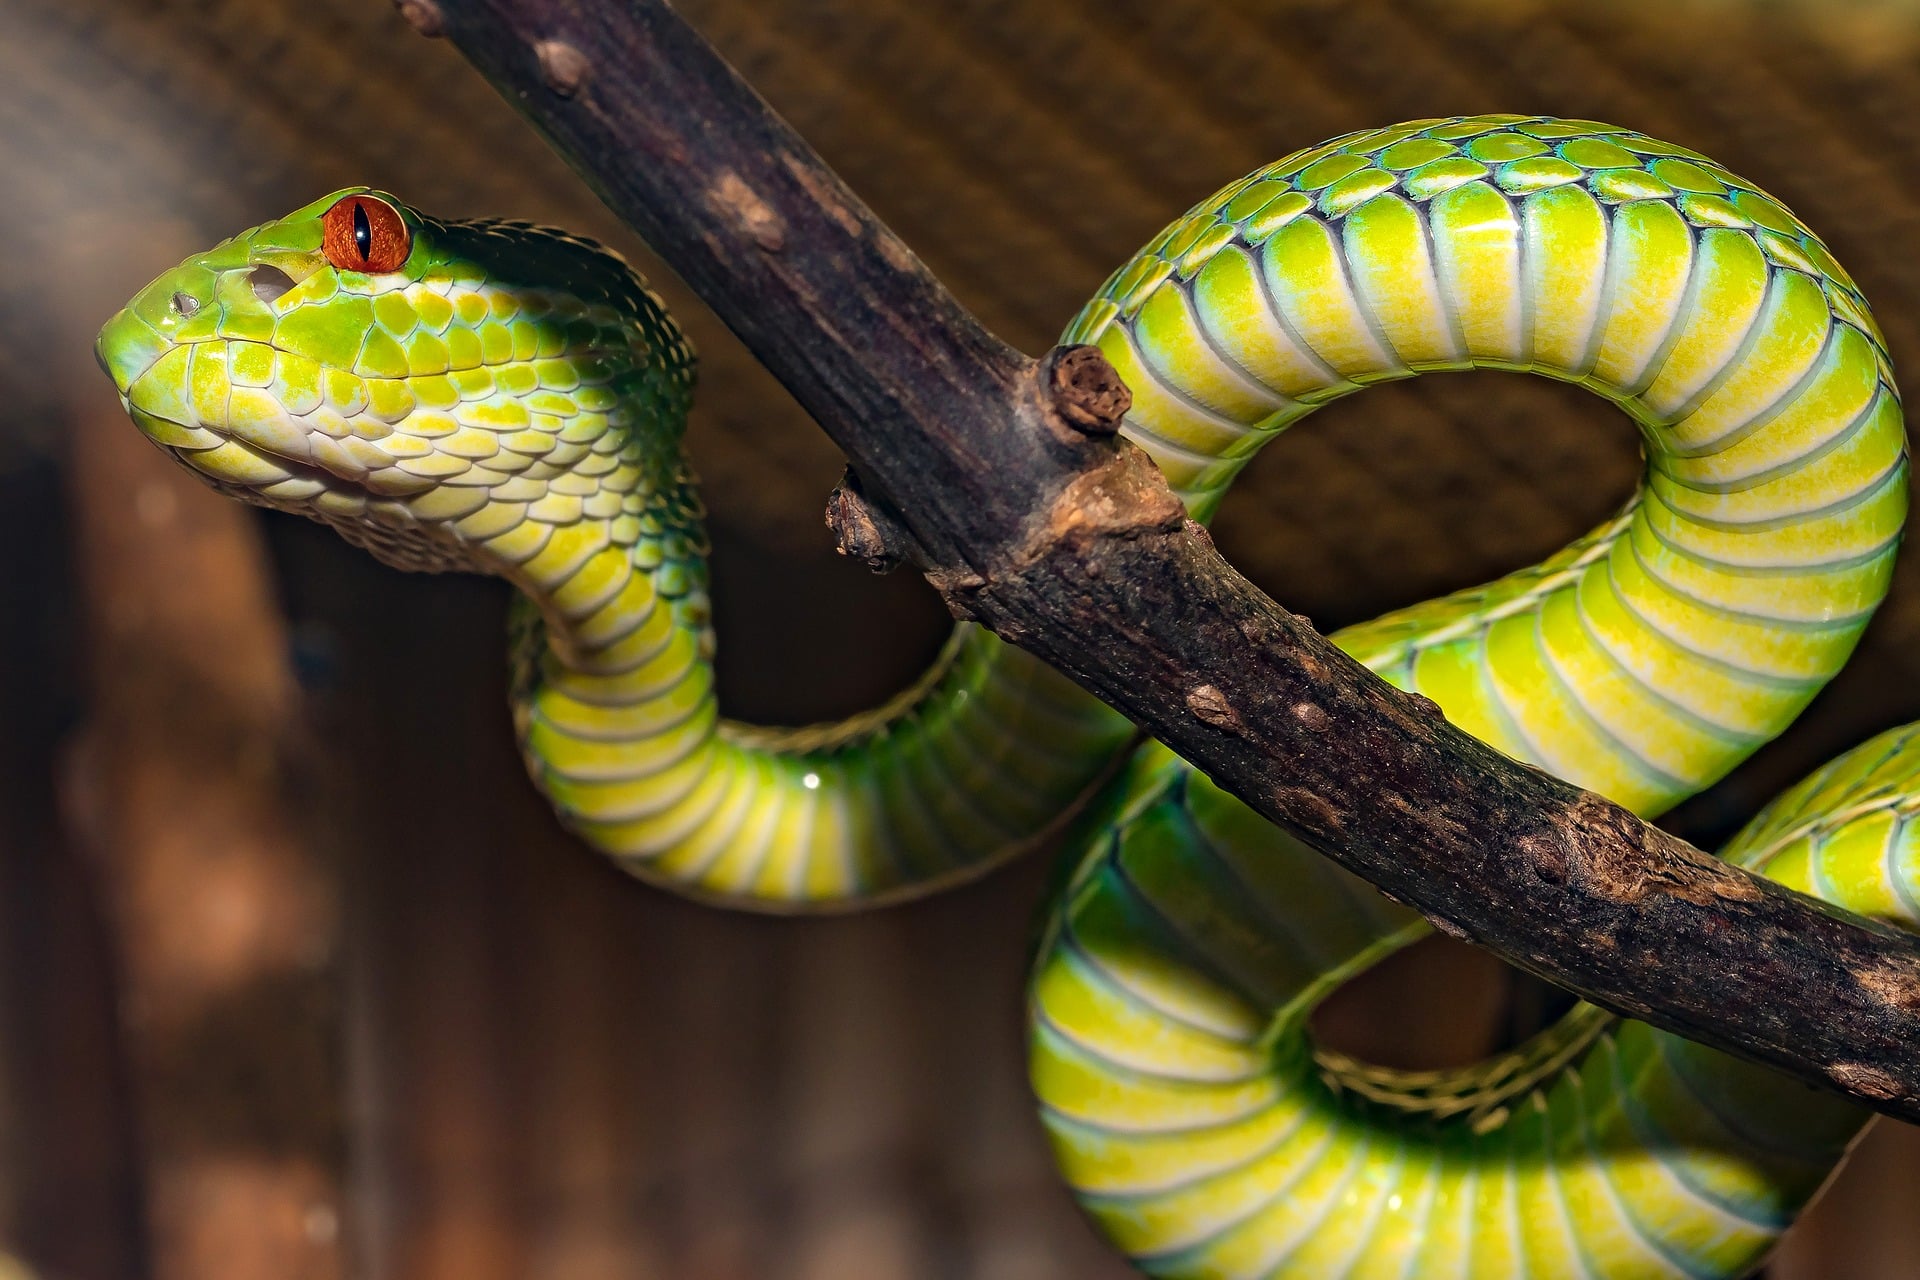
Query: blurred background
(298, 977)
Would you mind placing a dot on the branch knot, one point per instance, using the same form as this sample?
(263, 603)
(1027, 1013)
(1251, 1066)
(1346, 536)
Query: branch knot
(563, 67)
(1210, 705)
(1085, 391)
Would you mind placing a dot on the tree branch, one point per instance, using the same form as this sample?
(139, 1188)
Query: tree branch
(1001, 479)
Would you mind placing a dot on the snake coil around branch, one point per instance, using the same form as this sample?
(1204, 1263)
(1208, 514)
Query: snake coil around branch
(504, 398)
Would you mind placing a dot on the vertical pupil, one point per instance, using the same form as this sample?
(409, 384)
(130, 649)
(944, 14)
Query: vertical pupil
(362, 231)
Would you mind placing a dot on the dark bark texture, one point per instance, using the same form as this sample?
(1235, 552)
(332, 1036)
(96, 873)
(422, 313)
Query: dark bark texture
(1000, 478)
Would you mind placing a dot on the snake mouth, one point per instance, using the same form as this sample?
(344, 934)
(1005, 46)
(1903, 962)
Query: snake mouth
(268, 462)
(188, 394)
(232, 464)
(380, 523)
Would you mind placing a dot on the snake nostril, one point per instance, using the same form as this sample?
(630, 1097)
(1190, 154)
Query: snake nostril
(184, 304)
(269, 283)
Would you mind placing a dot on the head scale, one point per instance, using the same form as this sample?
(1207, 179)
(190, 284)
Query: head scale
(424, 387)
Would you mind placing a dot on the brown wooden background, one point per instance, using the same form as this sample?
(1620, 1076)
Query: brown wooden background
(297, 977)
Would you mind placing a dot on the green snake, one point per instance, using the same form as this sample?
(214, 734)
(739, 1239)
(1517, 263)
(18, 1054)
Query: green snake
(505, 398)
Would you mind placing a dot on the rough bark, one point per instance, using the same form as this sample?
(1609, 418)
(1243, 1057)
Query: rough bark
(1000, 478)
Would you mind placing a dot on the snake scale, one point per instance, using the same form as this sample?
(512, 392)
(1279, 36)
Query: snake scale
(500, 397)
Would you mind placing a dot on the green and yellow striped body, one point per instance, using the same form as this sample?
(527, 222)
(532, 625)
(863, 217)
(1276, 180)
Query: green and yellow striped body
(510, 400)
(1649, 657)
(1184, 1097)
(1206, 1136)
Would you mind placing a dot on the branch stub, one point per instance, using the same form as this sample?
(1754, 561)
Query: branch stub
(1086, 391)
(863, 531)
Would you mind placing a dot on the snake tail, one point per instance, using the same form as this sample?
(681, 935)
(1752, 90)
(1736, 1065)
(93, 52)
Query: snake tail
(1187, 1103)
(508, 399)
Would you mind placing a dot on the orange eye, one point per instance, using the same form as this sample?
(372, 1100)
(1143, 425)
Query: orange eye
(362, 233)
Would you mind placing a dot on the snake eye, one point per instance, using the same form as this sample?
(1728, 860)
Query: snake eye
(364, 233)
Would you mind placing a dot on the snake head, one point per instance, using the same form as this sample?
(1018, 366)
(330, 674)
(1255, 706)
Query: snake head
(426, 388)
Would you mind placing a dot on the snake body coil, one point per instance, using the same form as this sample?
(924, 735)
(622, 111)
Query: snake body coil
(509, 399)
(505, 398)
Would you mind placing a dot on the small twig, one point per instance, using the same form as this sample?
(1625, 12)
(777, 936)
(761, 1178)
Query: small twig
(1027, 516)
